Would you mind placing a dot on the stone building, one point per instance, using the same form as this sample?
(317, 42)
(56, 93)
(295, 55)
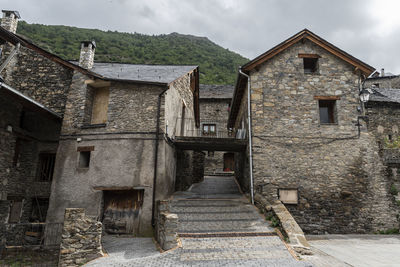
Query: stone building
(99, 126)
(114, 137)
(383, 80)
(311, 146)
(214, 111)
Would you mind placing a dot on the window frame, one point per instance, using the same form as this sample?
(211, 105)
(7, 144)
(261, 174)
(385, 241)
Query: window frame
(332, 112)
(313, 59)
(50, 166)
(83, 150)
(208, 132)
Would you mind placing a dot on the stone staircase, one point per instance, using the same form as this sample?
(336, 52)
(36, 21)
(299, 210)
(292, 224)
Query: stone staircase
(219, 227)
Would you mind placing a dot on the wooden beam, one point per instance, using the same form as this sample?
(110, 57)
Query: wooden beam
(85, 148)
(309, 56)
(328, 97)
(98, 83)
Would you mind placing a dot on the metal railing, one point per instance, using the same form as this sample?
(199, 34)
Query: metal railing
(208, 134)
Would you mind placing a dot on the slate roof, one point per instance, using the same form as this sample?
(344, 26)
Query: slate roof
(216, 91)
(385, 95)
(143, 73)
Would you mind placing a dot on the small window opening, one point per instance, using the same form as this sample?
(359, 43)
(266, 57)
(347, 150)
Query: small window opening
(46, 166)
(39, 209)
(17, 152)
(390, 138)
(327, 111)
(310, 65)
(84, 159)
(376, 85)
(209, 129)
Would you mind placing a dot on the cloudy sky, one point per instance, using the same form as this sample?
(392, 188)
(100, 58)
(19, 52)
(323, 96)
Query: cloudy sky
(367, 29)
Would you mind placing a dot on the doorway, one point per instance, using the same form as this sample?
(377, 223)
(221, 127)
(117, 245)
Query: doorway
(229, 162)
(122, 211)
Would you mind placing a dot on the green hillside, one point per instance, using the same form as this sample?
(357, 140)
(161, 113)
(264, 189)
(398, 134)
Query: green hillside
(217, 65)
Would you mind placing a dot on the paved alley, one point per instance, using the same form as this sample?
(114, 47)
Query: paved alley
(217, 227)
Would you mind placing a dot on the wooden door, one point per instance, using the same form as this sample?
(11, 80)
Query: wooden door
(229, 162)
(122, 211)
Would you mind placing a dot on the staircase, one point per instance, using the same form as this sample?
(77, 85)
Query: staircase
(219, 227)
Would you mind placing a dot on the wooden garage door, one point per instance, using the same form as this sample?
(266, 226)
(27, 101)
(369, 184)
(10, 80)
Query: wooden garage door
(122, 211)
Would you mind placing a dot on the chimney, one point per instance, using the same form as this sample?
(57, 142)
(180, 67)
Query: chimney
(10, 20)
(382, 72)
(86, 58)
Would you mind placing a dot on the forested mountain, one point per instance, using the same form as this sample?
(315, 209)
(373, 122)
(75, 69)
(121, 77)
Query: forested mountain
(217, 65)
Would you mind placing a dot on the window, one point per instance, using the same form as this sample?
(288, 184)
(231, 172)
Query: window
(17, 152)
(327, 110)
(46, 166)
(310, 65)
(310, 62)
(84, 159)
(209, 129)
(84, 156)
(100, 105)
(39, 209)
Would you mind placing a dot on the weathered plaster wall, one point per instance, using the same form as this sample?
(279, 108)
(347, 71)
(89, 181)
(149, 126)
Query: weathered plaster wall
(38, 77)
(339, 177)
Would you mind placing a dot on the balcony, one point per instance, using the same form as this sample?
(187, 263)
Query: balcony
(210, 138)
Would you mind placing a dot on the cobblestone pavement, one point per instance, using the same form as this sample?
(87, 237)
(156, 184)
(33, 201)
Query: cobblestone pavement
(213, 207)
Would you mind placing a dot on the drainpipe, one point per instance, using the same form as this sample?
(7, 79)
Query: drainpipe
(156, 157)
(250, 134)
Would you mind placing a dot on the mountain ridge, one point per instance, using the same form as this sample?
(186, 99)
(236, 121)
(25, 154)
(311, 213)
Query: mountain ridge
(217, 65)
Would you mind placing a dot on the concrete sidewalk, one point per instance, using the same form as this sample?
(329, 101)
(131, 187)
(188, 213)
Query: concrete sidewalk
(355, 250)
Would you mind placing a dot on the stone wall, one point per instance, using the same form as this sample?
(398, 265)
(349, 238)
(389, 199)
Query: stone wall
(166, 226)
(81, 239)
(383, 82)
(339, 177)
(214, 111)
(190, 169)
(131, 108)
(37, 77)
(33, 133)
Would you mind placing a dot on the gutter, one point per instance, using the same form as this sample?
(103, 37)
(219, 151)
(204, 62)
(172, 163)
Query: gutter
(250, 133)
(153, 205)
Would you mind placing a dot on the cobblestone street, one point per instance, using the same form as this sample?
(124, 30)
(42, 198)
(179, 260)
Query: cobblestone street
(217, 227)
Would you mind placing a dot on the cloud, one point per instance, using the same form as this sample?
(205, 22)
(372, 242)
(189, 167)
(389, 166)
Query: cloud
(369, 29)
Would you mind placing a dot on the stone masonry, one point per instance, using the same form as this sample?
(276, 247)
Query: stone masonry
(214, 109)
(339, 176)
(166, 226)
(81, 239)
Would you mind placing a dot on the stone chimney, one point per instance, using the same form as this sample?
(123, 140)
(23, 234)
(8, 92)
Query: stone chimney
(10, 20)
(382, 72)
(86, 58)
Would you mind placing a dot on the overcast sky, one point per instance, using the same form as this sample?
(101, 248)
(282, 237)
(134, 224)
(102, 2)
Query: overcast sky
(367, 29)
